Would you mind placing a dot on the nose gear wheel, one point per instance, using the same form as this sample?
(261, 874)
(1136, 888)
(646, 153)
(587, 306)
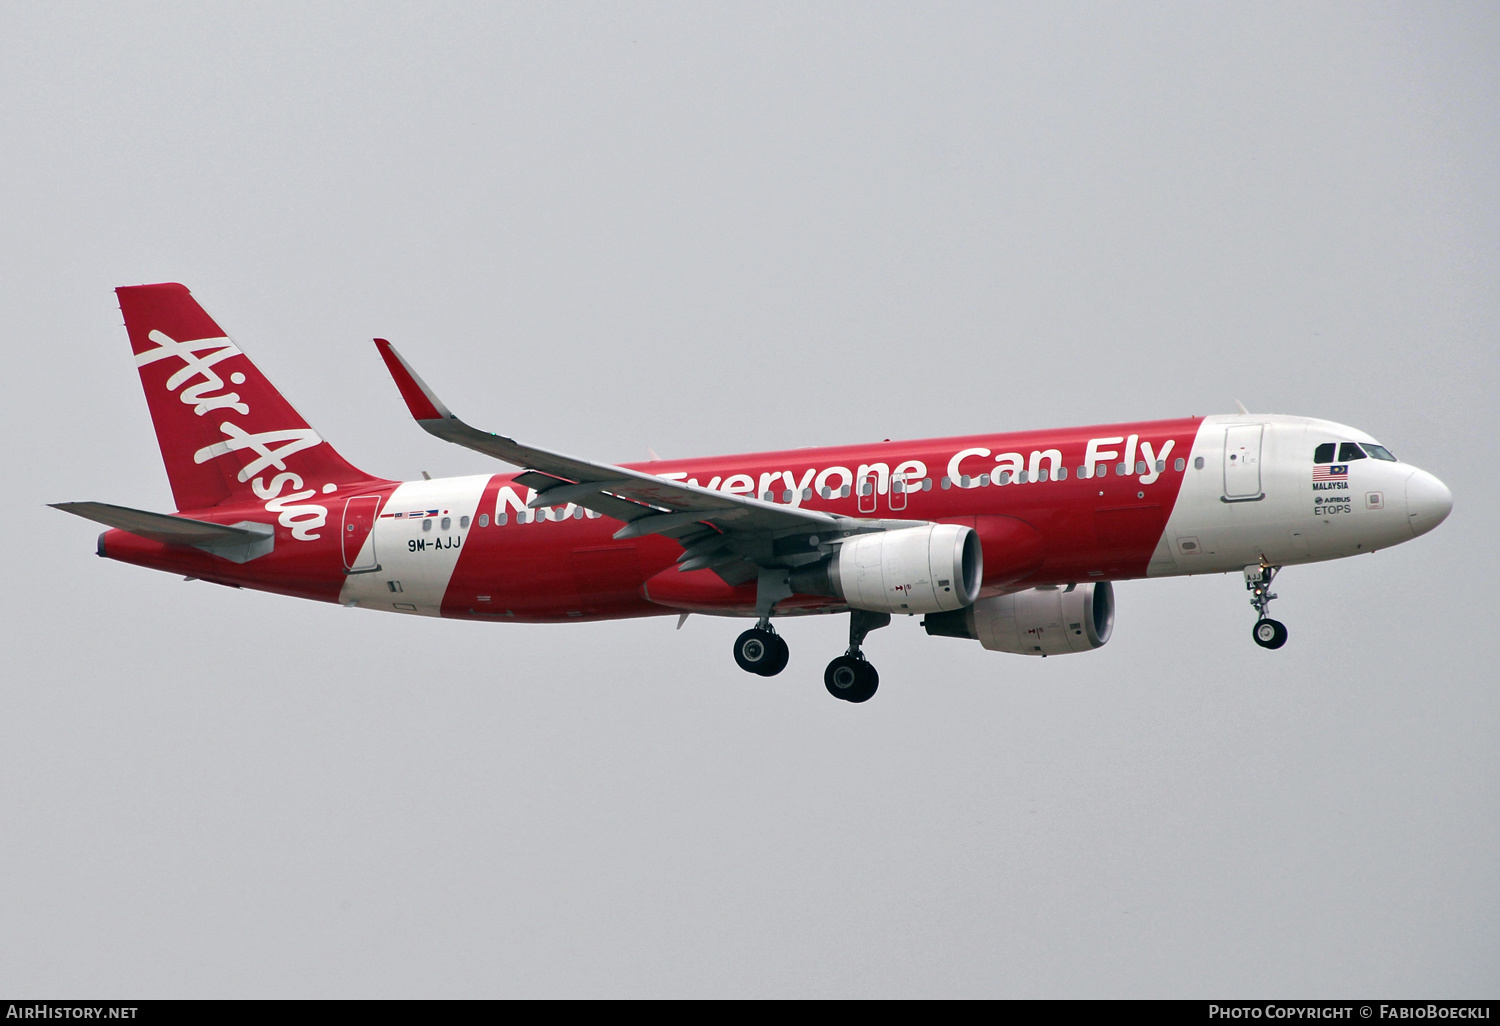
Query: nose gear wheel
(1268, 633)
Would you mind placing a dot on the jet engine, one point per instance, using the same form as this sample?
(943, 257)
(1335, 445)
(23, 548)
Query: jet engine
(925, 569)
(1049, 620)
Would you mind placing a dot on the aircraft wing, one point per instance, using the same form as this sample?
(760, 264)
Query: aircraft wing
(735, 535)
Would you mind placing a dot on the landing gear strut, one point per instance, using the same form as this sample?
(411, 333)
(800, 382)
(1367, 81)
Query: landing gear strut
(761, 650)
(850, 676)
(1268, 633)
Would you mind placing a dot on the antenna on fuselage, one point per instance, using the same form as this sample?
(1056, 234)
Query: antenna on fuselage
(1241, 405)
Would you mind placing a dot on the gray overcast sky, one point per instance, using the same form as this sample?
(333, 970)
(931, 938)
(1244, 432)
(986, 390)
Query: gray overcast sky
(713, 228)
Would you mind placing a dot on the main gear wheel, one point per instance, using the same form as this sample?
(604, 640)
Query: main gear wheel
(851, 679)
(761, 650)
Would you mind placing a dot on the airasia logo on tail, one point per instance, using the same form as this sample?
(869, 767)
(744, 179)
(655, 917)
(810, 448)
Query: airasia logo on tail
(271, 448)
(197, 366)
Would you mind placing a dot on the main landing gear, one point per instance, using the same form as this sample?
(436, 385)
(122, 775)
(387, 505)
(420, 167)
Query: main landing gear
(761, 650)
(1268, 633)
(850, 677)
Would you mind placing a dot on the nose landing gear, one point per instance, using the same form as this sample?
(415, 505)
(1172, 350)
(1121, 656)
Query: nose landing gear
(1268, 633)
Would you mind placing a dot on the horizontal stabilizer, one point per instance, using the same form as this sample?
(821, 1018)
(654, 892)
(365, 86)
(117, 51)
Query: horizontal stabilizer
(238, 543)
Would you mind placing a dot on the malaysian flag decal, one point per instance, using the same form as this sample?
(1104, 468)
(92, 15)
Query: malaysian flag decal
(1336, 472)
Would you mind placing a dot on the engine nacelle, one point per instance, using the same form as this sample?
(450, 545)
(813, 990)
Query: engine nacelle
(1050, 620)
(926, 569)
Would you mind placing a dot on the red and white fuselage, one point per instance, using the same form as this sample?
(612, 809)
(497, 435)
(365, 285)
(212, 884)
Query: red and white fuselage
(1062, 507)
(467, 547)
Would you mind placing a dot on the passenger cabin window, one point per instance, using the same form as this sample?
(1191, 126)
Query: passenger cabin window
(1348, 451)
(1324, 453)
(1380, 452)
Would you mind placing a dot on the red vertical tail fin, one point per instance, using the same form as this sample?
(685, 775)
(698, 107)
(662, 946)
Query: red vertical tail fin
(226, 433)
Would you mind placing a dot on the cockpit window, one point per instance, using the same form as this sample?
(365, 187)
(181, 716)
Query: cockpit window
(1349, 451)
(1380, 452)
(1324, 453)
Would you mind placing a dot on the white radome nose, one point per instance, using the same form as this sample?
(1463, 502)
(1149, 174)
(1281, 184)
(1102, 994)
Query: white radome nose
(1428, 502)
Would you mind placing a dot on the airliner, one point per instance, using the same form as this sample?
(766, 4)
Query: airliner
(1013, 540)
